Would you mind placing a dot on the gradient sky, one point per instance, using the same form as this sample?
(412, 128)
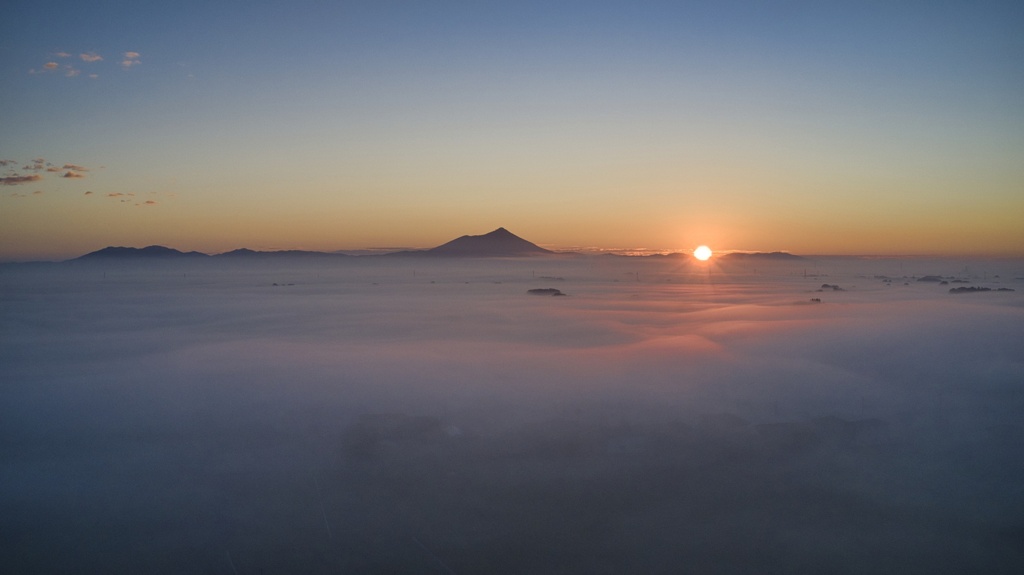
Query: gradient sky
(817, 127)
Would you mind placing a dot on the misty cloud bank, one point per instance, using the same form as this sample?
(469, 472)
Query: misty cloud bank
(434, 417)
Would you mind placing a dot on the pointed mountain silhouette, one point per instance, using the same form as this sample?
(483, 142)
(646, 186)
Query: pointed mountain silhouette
(499, 243)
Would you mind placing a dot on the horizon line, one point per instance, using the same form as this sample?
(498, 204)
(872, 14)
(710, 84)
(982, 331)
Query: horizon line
(579, 250)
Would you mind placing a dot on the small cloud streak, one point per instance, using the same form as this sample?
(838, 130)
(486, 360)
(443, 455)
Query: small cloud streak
(91, 57)
(75, 167)
(51, 65)
(88, 193)
(70, 174)
(16, 180)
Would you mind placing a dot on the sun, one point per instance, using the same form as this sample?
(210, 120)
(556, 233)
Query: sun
(703, 253)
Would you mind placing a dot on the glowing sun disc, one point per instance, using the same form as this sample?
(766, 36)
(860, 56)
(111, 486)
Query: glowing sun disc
(702, 253)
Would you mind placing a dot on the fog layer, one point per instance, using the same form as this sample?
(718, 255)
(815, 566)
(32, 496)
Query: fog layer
(432, 416)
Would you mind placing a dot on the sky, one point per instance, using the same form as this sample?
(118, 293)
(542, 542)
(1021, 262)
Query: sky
(816, 128)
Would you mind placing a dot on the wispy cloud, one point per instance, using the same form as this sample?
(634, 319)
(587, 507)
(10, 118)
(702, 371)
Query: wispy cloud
(127, 60)
(130, 60)
(51, 67)
(17, 173)
(36, 166)
(19, 179)
(39, 165)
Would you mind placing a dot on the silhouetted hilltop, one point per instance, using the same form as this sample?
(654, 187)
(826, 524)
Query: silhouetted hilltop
(150, 252)
(499, 243)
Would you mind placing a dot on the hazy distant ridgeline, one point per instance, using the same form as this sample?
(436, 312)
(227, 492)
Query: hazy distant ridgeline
(157, 253)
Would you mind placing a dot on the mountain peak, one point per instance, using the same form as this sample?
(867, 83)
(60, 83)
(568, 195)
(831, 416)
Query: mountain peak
(497, 243)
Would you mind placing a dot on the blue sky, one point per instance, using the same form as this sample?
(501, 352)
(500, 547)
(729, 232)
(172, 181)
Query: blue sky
(814, 127)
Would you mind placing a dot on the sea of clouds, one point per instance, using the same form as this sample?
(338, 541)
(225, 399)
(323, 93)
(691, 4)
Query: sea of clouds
(430, 416)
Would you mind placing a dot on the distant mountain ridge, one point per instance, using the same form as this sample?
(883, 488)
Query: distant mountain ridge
(148, 252)
(775, 256)
(499, 243)
(243, 253)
